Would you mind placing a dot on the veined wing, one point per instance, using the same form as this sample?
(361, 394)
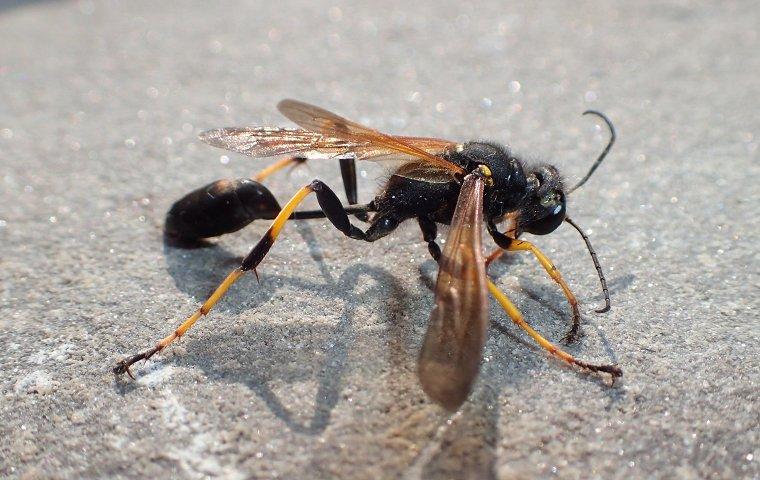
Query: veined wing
(450, 357)
(319, 120)
(262, 142)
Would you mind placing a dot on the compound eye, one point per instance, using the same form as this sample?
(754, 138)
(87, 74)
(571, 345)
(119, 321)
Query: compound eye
(550, 200)
(550, 222)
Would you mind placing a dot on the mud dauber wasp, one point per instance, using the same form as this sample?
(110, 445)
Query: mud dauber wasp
(435, 181)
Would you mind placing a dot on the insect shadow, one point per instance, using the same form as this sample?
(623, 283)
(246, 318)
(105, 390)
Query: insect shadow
(467, 447)
(197, 271)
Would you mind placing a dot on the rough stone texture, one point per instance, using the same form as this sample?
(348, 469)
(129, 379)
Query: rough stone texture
(312, 373)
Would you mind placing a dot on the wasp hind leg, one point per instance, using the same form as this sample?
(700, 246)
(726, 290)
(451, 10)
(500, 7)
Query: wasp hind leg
(347, 172)
(333, 210)
(277, 166)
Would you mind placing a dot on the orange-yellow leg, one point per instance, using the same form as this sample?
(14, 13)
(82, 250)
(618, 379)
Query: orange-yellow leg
(572, 334)
(249, 263)
(277, 166)
(555, 351)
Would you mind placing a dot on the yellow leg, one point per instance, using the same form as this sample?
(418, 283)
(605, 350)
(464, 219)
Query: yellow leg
(277, 166)
(249, 263)
(555, 351)
(557, 277)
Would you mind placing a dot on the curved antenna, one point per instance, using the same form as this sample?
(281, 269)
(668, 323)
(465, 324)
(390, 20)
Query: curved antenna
(606, 149)
(596, 264)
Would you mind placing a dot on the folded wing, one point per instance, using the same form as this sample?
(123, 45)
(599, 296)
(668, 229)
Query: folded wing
(451, 352)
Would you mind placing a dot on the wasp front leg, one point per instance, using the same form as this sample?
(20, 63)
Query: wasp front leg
(511, 244)
(429, 233)
(553, 350)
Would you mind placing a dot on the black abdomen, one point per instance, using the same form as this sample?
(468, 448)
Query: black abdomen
(223, 206)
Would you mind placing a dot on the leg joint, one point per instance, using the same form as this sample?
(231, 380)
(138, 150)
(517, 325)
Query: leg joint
(333, 209)
(503, 241)
(318, 186)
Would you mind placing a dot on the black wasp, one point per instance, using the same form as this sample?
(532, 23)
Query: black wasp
(435, 181)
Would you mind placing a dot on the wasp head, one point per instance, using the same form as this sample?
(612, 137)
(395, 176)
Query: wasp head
(544, 207)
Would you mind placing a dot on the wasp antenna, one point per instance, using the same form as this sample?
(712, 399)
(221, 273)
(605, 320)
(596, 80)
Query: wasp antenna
(606, 149)
(596, 264)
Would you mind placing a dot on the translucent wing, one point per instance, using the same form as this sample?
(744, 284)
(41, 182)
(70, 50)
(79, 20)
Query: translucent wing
(261, 142)
(450, 357)
(269, 142)
(331, 125)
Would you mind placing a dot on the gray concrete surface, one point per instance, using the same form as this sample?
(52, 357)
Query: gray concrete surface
(311, 373)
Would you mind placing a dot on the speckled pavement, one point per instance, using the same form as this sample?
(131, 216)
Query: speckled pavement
(311, 374)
